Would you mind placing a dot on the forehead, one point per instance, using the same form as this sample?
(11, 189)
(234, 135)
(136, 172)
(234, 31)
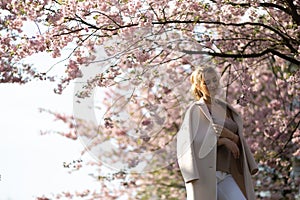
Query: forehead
(210, 76)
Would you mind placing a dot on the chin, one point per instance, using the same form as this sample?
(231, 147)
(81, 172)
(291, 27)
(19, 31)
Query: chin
(212, 94)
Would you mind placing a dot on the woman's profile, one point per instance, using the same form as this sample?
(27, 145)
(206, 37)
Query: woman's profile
(213, 156)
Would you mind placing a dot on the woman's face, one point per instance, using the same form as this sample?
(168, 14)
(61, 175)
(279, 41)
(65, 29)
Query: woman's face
(209, 84)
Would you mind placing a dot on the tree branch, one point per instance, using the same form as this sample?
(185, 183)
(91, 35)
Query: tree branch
(265, 5)
(240, 55)
(285, 38)
(293, 11)
(101, 13)
(291, 133)
(67, 33)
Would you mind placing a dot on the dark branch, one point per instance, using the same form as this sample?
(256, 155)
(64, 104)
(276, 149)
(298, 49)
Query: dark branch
(290, 133)
(240, 55)
(79, 19)
(294, 12)
(101, 13)
(67, 33)
(265, 5)
(284, 56)
(272, 5)
(279, 33)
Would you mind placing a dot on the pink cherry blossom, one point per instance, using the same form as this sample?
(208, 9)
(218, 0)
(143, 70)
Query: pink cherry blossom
(151, 49)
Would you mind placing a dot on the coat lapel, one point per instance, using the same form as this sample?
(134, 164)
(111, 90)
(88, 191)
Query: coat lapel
(204, 109)
(210, 137)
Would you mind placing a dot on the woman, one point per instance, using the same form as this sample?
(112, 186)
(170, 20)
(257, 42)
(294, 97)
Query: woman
(214, 159)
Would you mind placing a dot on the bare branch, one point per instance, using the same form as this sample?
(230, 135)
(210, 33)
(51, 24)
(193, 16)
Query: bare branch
(278, 32)
(240, 55)
(70, 32)
(291, 133)
(294, 12)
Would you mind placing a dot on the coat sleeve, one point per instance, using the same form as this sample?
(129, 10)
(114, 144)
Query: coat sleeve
(250, 159)
(185, 150)
(252, 165)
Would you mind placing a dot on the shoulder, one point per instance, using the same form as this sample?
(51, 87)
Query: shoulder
(222, 102)
(190, 108)
(187, 108)
(190, 105)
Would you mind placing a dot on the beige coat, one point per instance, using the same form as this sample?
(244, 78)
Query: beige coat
(196, 154)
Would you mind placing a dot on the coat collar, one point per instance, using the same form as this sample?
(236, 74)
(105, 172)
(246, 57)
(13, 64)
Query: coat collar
(220, 101)
(204, 109)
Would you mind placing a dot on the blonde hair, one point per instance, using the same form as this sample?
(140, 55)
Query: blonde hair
(198, 76)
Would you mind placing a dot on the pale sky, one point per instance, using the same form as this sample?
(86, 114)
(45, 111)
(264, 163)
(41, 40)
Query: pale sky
(32, 164)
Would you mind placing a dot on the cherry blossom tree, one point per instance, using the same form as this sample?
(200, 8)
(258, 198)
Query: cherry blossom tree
(141, 54)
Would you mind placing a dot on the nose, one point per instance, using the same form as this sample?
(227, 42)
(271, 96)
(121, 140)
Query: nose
(214, 85)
